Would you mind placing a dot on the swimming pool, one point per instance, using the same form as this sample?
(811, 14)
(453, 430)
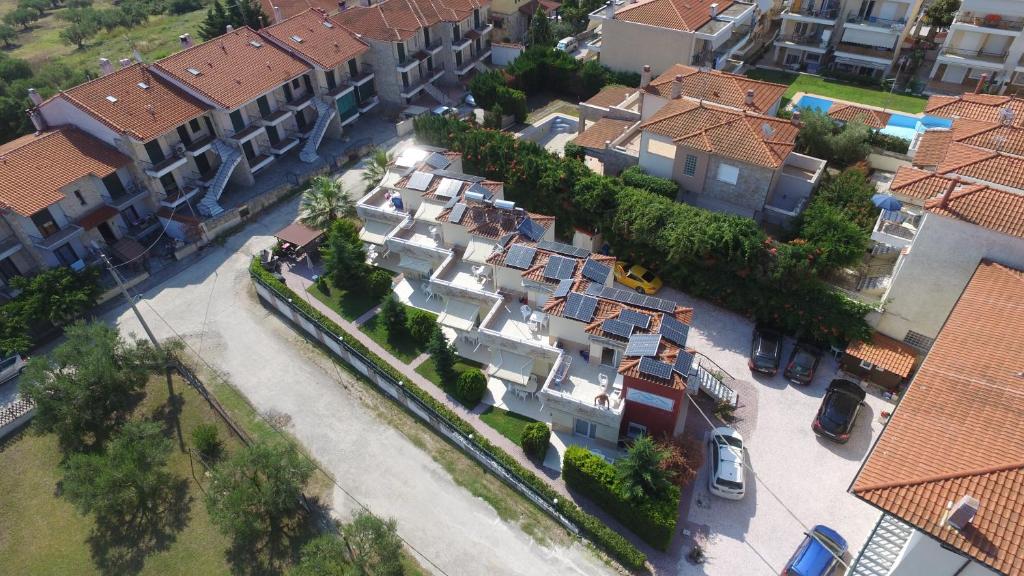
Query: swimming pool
(899, 125)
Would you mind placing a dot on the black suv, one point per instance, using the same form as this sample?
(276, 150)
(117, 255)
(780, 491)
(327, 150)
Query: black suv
(765, 350)
(803, 363)
(839, 409)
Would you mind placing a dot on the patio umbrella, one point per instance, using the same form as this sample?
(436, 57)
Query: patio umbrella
(887, 202)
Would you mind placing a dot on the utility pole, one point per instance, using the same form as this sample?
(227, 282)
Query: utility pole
(131, 302)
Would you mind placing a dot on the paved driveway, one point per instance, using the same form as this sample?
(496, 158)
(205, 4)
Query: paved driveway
(213, 305)
(809, 475)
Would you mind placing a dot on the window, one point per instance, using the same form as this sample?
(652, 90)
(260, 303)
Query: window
(430, 63)
(66, 254)
(194, 125)
(156, 154)
(295, 82)
(728, 174)
(331, 83)
(919, 341)
(81, 199)
(45, 223)
(476, 18)
(659, 148)
(690, 167)
(401, 52)
(635, 430)
(426, 37)
(456, 35)
(263, 105)
(585, 428)
(8, 270)
(169, 183)
(405, 79)
(608, 356)
(288, 96)
(353, 68)
(866, 365)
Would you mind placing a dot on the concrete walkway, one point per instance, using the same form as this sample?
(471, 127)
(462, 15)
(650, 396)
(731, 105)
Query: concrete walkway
(300, 285)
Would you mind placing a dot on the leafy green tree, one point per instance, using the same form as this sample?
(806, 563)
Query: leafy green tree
(206, 440)
(21, 17)
(7, 35)
(492, 119)
(540, 29)
(378, 283)
(254, 495)
(443, 355)
(82, 29)
(940, 13)
(216, 21)
(84, 389)
(814, 137)
(57, 295)
(639, 473)
(851, 145)
(111, 19)
(376, 167)
(40, 6)
(535, 439)
(127, 482)
(392, 314)
(246, 13)
(470, 387)
(325, 555)
(851, 191)
(324, 202)
(183, 6)
(73, 4)
(374, 546)
(838, 240)
(344, 255)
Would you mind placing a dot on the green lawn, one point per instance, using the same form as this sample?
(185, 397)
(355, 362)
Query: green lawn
(508, 424)
(347, 303)
(402, 346)
(427, 370)
(41, 533)
(834, 89)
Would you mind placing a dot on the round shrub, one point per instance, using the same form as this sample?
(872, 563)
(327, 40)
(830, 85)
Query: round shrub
(206, 440)
(378, 282)
(535, 439)
(421, 326)
(470, 387)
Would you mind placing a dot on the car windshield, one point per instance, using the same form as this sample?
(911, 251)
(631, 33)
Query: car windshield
(803, 362)
(648, 276)
(729, 484)
(731, 440)
(839, 409)
(766, 348)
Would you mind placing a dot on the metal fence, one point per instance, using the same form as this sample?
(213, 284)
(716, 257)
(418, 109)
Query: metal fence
(396, 390)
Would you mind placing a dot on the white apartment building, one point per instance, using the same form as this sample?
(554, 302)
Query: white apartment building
(986, 38)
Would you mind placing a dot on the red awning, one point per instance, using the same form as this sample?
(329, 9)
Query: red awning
(96, 217)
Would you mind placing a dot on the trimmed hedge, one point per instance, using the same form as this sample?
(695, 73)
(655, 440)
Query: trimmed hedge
(654, 521)
(535, 440)
(608, 540)
(470, 387)
(636, 177)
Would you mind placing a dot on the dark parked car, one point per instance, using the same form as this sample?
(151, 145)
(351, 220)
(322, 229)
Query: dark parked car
(765, 351)
(803, 363)
(817, 554)
(839, 409)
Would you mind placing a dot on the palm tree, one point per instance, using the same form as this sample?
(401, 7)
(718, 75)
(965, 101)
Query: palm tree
(324, 202)
(376, 167)
(639, 473)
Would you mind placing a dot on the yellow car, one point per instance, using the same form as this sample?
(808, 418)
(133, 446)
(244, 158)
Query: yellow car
(637, 277)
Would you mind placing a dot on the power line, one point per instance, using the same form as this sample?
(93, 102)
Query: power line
(151, 246)
(312, 461)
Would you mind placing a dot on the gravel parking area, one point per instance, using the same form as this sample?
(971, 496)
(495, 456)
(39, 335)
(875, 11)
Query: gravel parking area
(808, 476)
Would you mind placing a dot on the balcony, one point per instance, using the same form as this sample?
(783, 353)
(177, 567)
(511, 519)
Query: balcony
(363, 77)
(574, 386)
(811, 43)
(9, 245)
(179, 197)
(142, 227)
(284, 145)
(989, 23)
(275, 118)
(368, 104)
(469, 63)
(299, 103)
(811, 14)
(992, 60)
(894, 232)
(869, 53)
(130, 196)
(166, 165)
(460, 43)
(199, 146)
(58, 238)
(248, 133)
(882, 24)
(349, 116)
(414, 89)
(260, 162)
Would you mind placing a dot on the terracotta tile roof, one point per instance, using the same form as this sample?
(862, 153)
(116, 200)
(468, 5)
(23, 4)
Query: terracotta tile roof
(718, 87)
(931, 148)
(984, 206)
(848, 113)
(685, 15)
(489, 222)
(604, 130)
(610, 96)
(321, 41)
(290, 8)
(886, 353)
(546, 6)
(142, 113)
(1007, 139)
(393, 20)
(34, 168)
(918, 184)
(957, 430)
(977, 106)
(751, 138)
(973, 162)
(232, 71)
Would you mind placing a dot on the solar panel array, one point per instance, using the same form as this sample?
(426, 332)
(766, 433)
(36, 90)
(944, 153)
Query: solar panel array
(437, 161)
(652, 367)
(478, 188)
(420, 181)
(451, 202)
(617, 328)
(457, 213)
(596, 271)
(683, 363)
(449, 187)
(638, 319)
(559, 268)
(674, 330)
(629, 297)
(566, 249)
(580, 307)
(520, 256)
(563, 288)
(531, 229)
(643, 345)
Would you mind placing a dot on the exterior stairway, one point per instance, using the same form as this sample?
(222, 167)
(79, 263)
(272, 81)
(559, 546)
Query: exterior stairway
(324, 114)
(229, 159)
(882, 548)
(437, 94)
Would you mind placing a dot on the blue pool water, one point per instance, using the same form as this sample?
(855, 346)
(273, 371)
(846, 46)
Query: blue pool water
(899, 124)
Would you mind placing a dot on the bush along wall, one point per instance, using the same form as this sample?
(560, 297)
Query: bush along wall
(603, 537)
(652, 520)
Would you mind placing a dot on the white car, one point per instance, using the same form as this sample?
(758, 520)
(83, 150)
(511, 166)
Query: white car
(725, 448)
(11, 366)
(567, 44)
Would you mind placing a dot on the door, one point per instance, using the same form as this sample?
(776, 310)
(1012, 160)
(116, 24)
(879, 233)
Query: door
(236, 121)
(273, 136)
(107, 232)
(288, 93)
(66, 254)
(308, 82)
(331, 82)
(114, 186)
(585, 428)
(202, 164)
(353, 70)
(608, 357)
(263, 105)
(250, 152)
(186, 138)
(346, 105)
(156, 154)
(169, 183)
(300, 120)
(954, 74)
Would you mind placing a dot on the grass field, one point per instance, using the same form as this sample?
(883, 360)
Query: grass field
(41, 533)
(402, 346)
(154, 39)
(834, 89)
(348, 304)
(427, 370)
(508, 424)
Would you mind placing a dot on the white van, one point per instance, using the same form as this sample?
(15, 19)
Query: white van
(567, 44)
(11, 367)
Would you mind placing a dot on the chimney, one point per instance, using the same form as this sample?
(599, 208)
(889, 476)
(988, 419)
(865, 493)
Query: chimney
(229, 28)
(37, 120)
(105, 66)
(750, 97)
(607, 144)
(34, 97)
(963, 512)
(677, 87)
(953, 182)
(714, 9)
(277, 14)
(341, 6)
(645, 76)
(609, 10)
(186, 40)
(795, 119)
(136, 55)
(981, 82)
(124, 63)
